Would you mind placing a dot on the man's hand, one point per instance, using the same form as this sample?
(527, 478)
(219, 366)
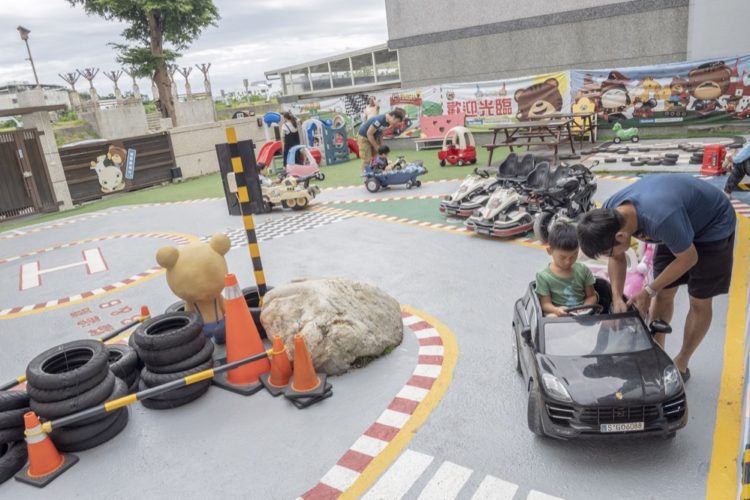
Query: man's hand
(641, 301)
(619, 306)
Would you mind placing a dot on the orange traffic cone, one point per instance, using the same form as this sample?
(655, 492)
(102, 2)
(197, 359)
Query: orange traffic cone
(45, 462)
(145, 313)
(281, 369)
(305, 382)
(243, 340)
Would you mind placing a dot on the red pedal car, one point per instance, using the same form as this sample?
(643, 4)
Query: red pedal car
(458, 148)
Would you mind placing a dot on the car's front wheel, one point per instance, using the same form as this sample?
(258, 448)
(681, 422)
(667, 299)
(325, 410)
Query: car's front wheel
(534, 412)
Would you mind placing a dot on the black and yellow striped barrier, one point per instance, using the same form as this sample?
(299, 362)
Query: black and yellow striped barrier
(243, 194)
(124, 401)
(104, 338)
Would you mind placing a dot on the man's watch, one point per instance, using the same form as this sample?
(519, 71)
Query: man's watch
(650, 291)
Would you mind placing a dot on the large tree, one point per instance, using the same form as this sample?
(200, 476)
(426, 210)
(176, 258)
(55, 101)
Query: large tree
(150, 24)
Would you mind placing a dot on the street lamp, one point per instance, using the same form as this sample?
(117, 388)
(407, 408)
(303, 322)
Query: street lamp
(25, 37)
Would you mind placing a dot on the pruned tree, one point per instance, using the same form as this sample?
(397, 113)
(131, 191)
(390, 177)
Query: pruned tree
(114, 76)
(204, 69)
(70, 79)
(131, 72)
(151, 23)
(89, 74)
(185, 72)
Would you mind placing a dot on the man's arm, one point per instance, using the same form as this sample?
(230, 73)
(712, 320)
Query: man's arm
(617, 267)
(371, 136)
(681, 264)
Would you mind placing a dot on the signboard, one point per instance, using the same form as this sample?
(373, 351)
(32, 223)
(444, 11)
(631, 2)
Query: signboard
(130, 164)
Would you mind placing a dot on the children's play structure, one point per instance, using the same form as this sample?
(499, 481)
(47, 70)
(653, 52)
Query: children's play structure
(458, 147)
(327, 136)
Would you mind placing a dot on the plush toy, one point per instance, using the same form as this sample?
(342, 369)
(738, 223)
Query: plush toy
(195, 273)
(637, 279)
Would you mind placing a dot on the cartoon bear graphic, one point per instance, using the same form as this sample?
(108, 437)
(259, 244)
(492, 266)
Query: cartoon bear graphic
(706, 84)
(539, 99)
(615, 99)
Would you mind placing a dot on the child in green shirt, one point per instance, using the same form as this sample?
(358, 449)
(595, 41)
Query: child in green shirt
(564, 282)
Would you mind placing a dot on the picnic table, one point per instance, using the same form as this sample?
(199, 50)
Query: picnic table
(584, 123)
(549, 133)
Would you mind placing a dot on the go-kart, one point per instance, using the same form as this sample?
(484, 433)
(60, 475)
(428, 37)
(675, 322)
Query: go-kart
(289, 194)
(402, 173)
(595, 375)
(308, 169)
(471, 194)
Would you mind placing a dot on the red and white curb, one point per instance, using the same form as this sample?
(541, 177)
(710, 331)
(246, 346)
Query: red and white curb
(392, 198)
(387, 426)
(741, 208)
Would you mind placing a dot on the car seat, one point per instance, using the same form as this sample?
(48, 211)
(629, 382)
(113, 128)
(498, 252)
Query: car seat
(509, 167)
(538, 179)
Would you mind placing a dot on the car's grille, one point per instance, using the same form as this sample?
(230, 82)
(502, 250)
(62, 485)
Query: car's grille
(560, 414)
(615, 414)
(674, 409)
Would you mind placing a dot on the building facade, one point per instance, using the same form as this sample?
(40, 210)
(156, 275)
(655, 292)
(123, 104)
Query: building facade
(53, 94)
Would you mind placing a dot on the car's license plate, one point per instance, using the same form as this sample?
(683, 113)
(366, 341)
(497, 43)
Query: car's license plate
(626, 427)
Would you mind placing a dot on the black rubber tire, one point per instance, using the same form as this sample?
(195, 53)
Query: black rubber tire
(173, 354)
(69, 436)
(372, 185)
(610, 160)
(671, 155)
(54, 395)
(653, 163)
(637, 163)
(151, 379)
(694, 161)
(113, 430)
(12, 434)
(131, 378)
(167, 331)
(131, 339)
(180, 392)
(88, 358)
(533, 413)
(541, 225)
(87, 399)
(12, 459)
(168, 404)
(134, 386)
(205, 354)
(120, 389)
(628, 158)
(12, 418)
(123, 360)
(12, 400)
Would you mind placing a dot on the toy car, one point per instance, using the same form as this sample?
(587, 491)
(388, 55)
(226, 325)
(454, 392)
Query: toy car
(402, 173)
(600, 375)
(307, 169)
(289, 194)
(458, 148)
(627, 134)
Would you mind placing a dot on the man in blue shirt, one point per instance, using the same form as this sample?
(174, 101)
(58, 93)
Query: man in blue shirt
(738, 168)
(370, 135)
(693, 223)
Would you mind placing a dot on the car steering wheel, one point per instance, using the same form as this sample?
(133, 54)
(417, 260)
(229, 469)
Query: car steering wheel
(585, 310)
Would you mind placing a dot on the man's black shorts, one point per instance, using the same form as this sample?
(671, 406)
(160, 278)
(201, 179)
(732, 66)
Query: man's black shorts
(710, 276)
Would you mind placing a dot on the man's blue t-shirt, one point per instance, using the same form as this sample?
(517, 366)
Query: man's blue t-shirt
(677, 210)
(743, 154)
(380, 124)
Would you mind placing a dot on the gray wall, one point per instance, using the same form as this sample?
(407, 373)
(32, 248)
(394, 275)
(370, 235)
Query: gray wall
(552, 36)
(119, 122)
(194, 112)
(718, 28)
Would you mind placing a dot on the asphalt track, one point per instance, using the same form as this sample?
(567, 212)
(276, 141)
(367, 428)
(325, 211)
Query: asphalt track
(466, 439)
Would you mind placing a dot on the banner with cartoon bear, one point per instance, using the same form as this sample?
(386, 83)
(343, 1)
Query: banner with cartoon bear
(691, 92)
(512, 99)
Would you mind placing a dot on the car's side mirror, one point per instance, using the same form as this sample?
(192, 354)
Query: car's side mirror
(659, 326)
(526, 334)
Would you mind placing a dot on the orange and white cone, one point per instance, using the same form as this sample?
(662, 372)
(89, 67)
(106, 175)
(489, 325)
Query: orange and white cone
(281, 369)
(45, 462)
(243, 341)
(305, 382)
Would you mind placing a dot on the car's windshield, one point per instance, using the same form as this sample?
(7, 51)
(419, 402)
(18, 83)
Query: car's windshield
(587, 336)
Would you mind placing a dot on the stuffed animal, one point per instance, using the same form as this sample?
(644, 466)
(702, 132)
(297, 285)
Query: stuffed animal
(195, 273)
(637, 279)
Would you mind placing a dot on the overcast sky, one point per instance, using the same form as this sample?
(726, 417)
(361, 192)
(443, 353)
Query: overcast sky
(252, 36)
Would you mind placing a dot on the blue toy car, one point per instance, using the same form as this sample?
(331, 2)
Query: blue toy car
(402, 173)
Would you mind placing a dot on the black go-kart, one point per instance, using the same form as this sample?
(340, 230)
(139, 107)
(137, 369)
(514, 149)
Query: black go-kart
(594, 375)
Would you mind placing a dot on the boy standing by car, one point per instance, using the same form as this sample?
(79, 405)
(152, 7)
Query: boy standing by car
(564, 282)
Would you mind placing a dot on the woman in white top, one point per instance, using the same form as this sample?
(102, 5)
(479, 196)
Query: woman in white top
(289, 132)
(373, 108)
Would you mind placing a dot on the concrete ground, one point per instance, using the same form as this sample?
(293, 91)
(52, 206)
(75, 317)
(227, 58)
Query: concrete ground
(474, 443)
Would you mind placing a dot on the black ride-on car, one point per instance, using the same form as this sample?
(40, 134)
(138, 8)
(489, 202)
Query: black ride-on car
(595, 375)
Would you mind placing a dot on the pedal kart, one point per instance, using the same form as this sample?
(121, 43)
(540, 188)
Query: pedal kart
(458, 148)
(471, 194)
(595, 375)
(402, 174)
(308, 169)
(289, 194)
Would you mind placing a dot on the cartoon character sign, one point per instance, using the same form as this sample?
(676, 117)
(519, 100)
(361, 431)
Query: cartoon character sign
(539, 99)
(108, 169)
(614, 98)
(678, 93)
(706, 84)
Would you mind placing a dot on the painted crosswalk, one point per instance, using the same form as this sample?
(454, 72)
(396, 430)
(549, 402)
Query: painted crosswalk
(445, 481)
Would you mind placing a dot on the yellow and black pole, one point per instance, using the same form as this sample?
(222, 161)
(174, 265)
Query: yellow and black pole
(124, 401)
(243, 194)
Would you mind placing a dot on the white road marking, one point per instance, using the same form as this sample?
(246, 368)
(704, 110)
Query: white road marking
(94, 260)
(431, 350)
(426, 333)
(340, 477)
(413, 393)
(369, 445)
(431, 371)
(400, 477)
(538, 495)
(393, 418)
(492, 488)
(446, 483)
(30, 275)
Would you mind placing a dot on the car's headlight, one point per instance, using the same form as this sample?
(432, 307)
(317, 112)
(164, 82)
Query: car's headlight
(555, 388)
(672, 380)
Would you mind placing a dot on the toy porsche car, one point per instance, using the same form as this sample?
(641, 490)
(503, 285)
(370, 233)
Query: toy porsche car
(597, 375)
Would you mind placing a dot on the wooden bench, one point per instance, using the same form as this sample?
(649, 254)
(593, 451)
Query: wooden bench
(428, 143)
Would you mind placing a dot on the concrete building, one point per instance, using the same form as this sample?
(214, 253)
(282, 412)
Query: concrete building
(53, 94)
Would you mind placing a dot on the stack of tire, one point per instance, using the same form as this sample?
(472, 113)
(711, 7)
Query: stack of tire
(12, 445)
(70, 378)
(125, 364)
(173, 346)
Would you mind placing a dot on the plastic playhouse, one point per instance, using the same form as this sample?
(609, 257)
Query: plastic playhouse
(458, 147)
(328, 137)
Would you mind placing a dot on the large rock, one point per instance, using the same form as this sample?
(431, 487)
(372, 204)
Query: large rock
(341, 320)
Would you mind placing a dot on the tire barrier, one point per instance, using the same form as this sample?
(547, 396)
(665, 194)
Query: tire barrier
(72, 377)
(124, 364)
(173, 347)
(13, 406)
(145, 314)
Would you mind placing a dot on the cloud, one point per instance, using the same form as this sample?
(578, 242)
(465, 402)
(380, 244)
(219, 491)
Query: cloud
(252, 37)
